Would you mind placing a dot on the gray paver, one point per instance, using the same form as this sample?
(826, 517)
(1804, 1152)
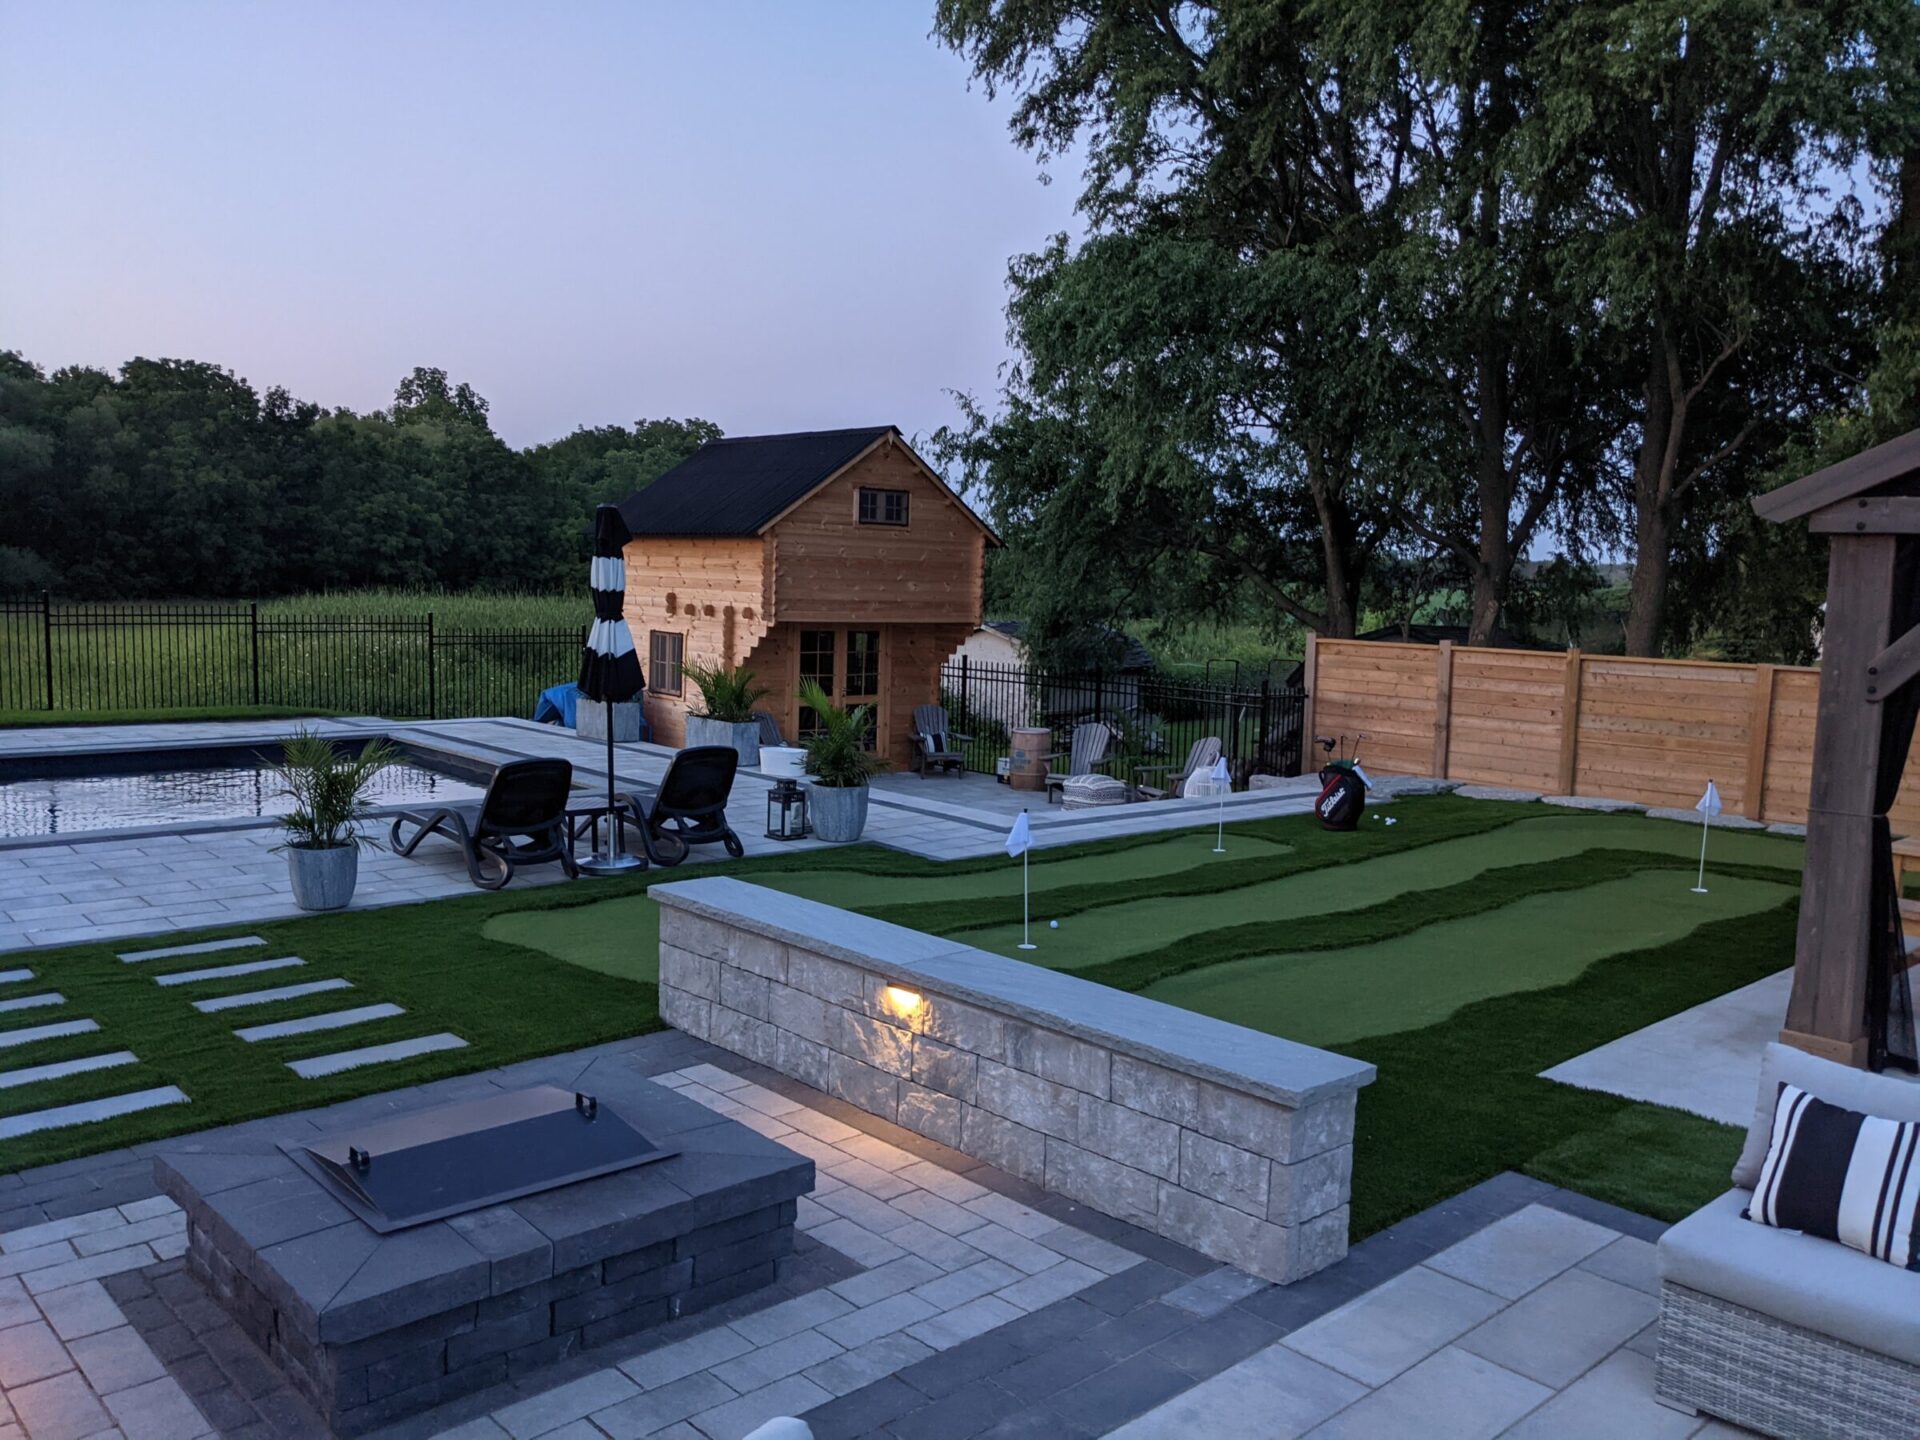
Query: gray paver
(1277, 1394)
(1525, 1250)
(668, 1363)
(872, 1361)
(653, 1410)
(1394, 1326)
(776, 1361)
(307, 1025)
(976, 1317)
(790, 1317)
(1213, 1292)
(31, 1352)
(83, 1309)
(115, 1359)
(158, 1410)
(551, 1409)
(1627, 1261)
(1560, 1331)
(737, 1418)
(205, 947)
(85, 1112)
(267, 997)
(1613, 1400)
(59, 1069)
(228, 972)
(62, 1408)
(318, 1065)
(1449, 1396)
(32, 1034)
(883, 1317)
(15, 977)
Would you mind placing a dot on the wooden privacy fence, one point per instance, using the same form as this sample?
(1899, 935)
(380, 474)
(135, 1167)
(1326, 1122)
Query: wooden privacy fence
(1649, 731)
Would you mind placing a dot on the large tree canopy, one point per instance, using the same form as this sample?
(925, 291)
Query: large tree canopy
(176, 478)
(1441, 283)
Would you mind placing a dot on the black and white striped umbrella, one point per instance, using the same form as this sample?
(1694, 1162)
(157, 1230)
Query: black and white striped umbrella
(609, 667)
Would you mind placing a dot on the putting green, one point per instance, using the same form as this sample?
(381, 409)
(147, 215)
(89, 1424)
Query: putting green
(616, 937)
(849, 889)
(1135, 927)
(1331, 997)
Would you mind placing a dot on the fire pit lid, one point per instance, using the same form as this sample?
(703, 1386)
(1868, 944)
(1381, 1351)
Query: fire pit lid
(462, 1157)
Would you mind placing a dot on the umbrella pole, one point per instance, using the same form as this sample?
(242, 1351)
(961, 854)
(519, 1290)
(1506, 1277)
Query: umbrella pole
(614, 837)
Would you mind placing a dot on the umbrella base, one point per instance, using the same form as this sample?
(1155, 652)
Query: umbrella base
(600, 863)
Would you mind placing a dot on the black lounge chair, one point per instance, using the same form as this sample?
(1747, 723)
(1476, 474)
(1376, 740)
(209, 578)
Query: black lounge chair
(526, 799)
(690, 807)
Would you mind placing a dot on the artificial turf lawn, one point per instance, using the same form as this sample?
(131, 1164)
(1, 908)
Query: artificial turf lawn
(1457, 1098)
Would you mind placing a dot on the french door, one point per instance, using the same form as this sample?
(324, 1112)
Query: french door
(846, 664)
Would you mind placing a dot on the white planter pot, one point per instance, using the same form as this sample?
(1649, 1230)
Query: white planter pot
(323, 879)
(743, 739)
(783, 762)
(838, 812)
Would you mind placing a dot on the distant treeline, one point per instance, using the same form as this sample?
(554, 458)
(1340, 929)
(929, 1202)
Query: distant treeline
(175, 477)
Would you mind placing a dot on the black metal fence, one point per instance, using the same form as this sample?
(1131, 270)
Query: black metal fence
(115, 655)
(1157, 718)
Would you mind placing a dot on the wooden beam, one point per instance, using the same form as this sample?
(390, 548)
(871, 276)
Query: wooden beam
(1759, 732)
(1570, 722)
(1894, 666)
(1874, 515)
(1442, 708)
(1868, 470)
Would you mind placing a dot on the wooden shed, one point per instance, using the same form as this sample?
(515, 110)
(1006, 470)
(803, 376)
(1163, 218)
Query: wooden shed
(834, 555)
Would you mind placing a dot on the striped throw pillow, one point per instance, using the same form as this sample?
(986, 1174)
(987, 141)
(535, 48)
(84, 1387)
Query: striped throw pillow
(1842, 1176)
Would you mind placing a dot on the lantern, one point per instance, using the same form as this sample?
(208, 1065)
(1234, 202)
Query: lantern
(787, 812)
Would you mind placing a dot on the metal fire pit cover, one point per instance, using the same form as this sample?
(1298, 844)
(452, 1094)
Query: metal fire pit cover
(481, 1152)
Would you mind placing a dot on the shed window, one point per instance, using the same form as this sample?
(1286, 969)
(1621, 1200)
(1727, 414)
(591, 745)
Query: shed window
(665, 650)
(883, 507)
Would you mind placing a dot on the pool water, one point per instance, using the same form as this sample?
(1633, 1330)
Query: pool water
(70, 794)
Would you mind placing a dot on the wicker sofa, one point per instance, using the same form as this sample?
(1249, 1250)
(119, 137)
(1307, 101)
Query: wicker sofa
(1781, 1332)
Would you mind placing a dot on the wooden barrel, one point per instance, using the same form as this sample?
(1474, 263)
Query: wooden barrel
(1027, 767)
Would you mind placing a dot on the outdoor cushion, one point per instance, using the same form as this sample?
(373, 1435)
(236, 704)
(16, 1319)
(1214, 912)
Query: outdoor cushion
(1082, 792)
(1842, 1175)
(1814, 1284)
(1893, 1097)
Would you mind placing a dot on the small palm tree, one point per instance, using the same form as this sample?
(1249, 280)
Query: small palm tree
(329, 790)
(837, 755)
(728, 692)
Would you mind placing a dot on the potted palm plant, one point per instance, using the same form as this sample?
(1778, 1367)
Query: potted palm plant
(727, 697)
(839, 764)
(329, 790)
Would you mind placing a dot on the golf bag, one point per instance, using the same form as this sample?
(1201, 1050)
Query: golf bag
(1343, 797)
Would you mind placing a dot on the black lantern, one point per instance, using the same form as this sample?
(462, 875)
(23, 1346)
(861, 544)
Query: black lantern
(787, 812)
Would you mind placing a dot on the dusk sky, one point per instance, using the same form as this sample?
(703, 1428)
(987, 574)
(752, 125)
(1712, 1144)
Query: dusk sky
(775, 216)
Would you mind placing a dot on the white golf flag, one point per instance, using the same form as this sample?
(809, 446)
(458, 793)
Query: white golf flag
(1220, 771)
(1709, 803)
(1020, 837)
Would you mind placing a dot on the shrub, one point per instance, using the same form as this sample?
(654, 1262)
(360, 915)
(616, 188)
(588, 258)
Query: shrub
(328, 789)
(726, 691)
(837, 756)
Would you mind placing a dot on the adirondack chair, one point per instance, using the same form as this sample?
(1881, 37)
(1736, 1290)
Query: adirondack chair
(1085, 754)
(769, 728)
(1199, 760)
(933, 742)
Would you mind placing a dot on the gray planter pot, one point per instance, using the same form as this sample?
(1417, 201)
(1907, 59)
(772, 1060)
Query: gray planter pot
(742, 739)
(590, 721)
(838, 812)
(323, 879)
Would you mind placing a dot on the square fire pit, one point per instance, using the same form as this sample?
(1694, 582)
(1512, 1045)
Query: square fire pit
(393, 1266)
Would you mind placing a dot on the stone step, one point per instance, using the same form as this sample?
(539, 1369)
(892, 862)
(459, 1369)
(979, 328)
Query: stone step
(11, 1038)
(33, 1002)
(315, 1066)
(205, 947)
(223, 972)
(86, 1112)
(332, 1020)
(267, 997)
(14, 977)
(60, 1069)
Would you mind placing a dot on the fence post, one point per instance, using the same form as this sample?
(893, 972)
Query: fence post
(253, 612)
(1442, 709)
(433, 696)
(46, 633)
(1309, 681)
(1759, 728)
(1261, 753)
(1570, 724)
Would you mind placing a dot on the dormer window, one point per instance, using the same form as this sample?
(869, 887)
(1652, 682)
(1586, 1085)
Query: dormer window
(882, 507)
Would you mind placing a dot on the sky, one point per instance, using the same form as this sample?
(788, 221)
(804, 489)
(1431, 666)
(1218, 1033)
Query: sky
(775, 216)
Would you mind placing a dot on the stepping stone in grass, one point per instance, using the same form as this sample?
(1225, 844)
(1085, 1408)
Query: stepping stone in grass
(33, 1002)
(14, 977)
(88, 1111)
(333, 1020)
(60, 1069)
(205, 947)
(316, 1066)
(222, 972)
(10, 1038)
(267, 997)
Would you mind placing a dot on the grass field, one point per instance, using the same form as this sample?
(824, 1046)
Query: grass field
(1462, 951)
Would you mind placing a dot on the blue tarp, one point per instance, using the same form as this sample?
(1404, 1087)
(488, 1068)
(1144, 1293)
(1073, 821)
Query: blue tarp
(556, 706)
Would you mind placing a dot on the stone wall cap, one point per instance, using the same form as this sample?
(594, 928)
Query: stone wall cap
(1284, 1071)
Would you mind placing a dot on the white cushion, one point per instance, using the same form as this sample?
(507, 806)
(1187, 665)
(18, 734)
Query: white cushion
(1818, 1285)
(1083, 791)
(1889, 1096)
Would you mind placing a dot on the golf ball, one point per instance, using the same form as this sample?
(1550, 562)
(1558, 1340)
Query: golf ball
(1053, 924)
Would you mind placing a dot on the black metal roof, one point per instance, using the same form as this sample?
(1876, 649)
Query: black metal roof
(735, 486)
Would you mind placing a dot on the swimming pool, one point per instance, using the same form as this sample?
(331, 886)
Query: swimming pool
(47, 796)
